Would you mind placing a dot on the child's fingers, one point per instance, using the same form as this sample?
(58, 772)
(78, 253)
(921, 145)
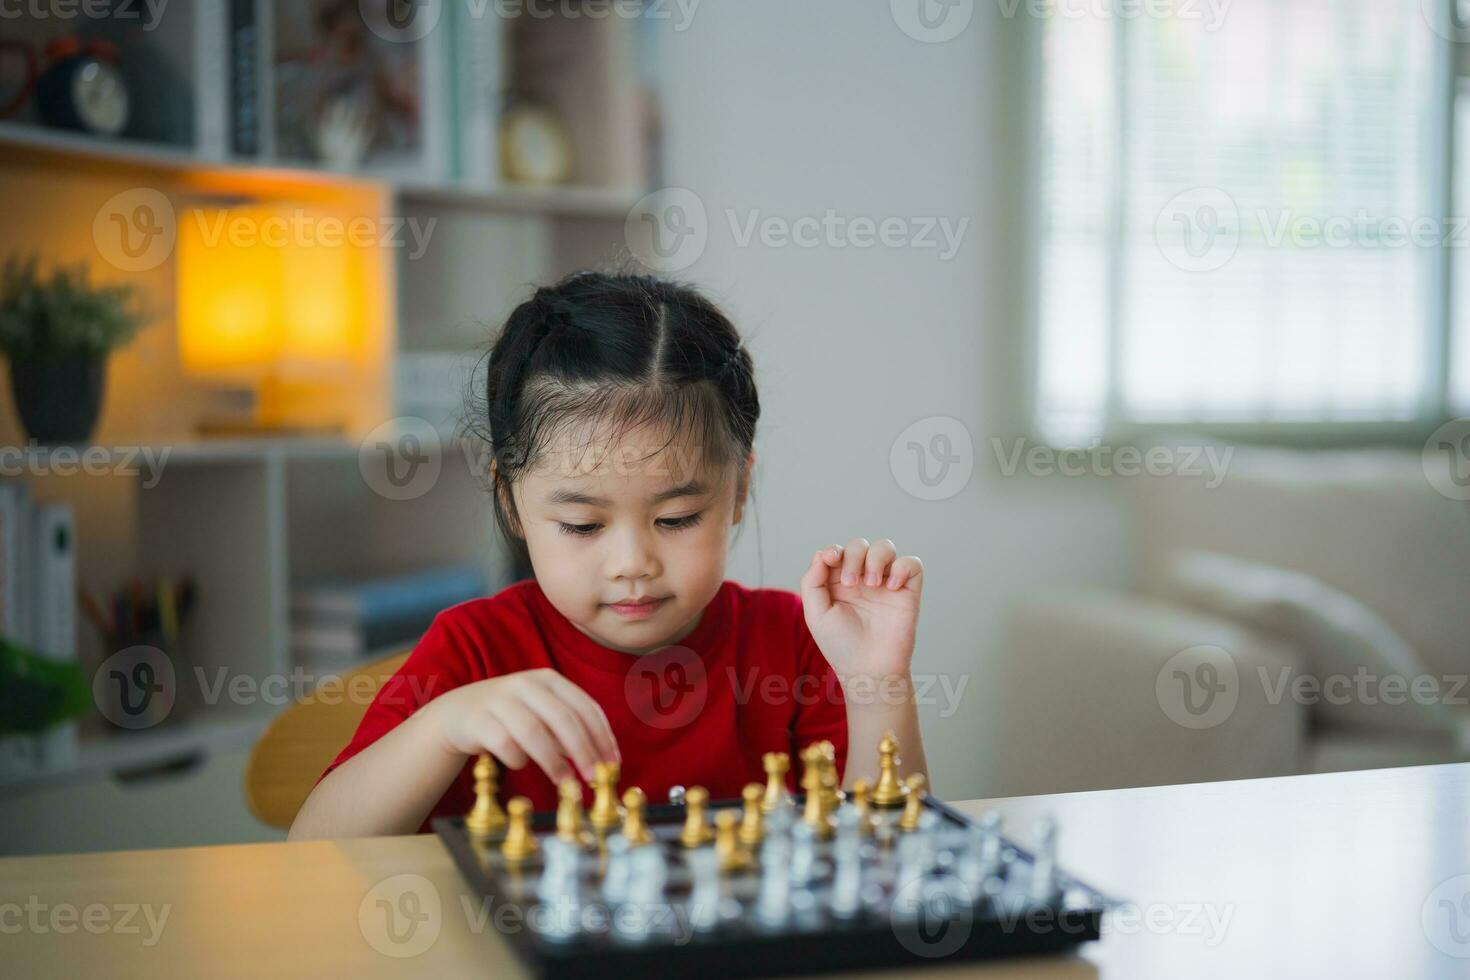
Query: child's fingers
(815, 599)
(496, 739)
(565, 725)
(906, 571)
(852, 560)
(595, 719)
(535, 739)
(879, 555)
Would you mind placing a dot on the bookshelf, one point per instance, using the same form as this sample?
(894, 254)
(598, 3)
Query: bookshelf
(251, 519)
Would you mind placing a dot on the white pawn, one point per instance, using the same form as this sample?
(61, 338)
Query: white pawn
(848, 880)
(638, 914)
(560, 889)
(803, 854)
(615, 880)
(1044, 887)
(704, 896)
(773, 903)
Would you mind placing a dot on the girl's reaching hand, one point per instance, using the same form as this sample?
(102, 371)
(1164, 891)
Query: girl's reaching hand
(530, 716)
(862, 606)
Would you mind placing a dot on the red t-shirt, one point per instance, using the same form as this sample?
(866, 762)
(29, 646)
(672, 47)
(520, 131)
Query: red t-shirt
(749, 679)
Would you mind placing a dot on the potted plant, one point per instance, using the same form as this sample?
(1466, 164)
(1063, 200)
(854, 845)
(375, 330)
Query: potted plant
(57, 331)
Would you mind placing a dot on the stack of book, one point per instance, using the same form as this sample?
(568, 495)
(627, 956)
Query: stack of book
(38, 585)
(337, 624)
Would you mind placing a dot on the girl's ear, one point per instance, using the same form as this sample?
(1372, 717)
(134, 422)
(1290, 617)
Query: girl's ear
(742, 487)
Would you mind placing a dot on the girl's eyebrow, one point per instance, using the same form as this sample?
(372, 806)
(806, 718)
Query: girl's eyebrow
(693, 488)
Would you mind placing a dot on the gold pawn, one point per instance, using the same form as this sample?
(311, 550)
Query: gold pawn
(732, 856)
(605, 813)
(569, 814)
(889, 792)
(520, 842)
(752, 829)
(860, 804)
(814, 814)
(777, 764)
(696, 832)
(635, 828)
(914, 805)
(486, 817)
(831, 796)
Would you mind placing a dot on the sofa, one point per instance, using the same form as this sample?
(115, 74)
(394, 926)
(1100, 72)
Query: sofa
(1324, 596)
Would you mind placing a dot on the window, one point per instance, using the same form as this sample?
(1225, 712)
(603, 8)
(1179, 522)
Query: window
(1243, 221)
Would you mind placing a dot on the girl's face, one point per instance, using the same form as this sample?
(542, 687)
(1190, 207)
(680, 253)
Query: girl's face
(633, 520)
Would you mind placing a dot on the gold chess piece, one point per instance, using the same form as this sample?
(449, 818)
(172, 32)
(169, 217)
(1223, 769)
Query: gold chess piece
(696, 832)
(732, 856)
(860, 803)
(752, 825)
(520, 842)
(569, 826)
(776, 764)
(831, 795)
(889, 793)
(815, 814)
(605, 813)
(486, 817)
(635, 827)
(913, 807)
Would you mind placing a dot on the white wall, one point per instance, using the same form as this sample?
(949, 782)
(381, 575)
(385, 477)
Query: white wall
(794, 108)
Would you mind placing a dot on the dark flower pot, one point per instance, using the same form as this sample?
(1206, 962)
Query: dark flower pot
(58, 399)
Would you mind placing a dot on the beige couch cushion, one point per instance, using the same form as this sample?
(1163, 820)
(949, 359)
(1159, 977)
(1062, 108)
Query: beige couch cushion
(1360, 673)
(1364, 522)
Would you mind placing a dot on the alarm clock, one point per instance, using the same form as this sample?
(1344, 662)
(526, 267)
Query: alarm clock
(82, 88)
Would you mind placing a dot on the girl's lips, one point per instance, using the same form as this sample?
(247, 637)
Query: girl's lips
(636, 610)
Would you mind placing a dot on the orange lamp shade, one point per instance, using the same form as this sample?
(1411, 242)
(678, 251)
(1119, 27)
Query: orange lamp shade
(266, 289)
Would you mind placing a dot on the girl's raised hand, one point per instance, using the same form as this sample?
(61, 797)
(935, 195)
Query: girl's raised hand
(861, 604)
(530, 716)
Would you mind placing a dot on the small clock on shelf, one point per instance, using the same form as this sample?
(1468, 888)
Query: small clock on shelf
(534, 146)
(81, 87)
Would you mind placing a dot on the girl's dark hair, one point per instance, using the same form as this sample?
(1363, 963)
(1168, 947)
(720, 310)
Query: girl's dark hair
(598, 354)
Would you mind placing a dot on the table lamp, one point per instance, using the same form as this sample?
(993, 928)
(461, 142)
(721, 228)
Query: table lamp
(267, 299)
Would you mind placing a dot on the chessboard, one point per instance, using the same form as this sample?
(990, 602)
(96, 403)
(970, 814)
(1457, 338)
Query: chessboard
(781, 884)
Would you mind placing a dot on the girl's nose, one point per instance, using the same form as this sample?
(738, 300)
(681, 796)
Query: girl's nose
(632, 555)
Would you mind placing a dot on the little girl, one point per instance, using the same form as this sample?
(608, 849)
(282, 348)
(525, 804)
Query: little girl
(622, 411)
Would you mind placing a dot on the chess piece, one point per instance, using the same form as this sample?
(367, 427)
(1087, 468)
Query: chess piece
(696, 832)
(888, 793)
(847, 882)
(569, 826)
(486, 817)
(605, 813)
(803, 854)
(635, 827)
(1044, 886)
(752, 827)
(862, 807)
(732, 856)
(704, 894)
(773, 901)
(560, 890)
(648, 874)
(913, 806)
(615, 879)
(776, 796)
(827, 759)
(814, 814)
(520, 841)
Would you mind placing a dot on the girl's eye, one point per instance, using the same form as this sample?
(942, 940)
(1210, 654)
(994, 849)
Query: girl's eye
(668, 523)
